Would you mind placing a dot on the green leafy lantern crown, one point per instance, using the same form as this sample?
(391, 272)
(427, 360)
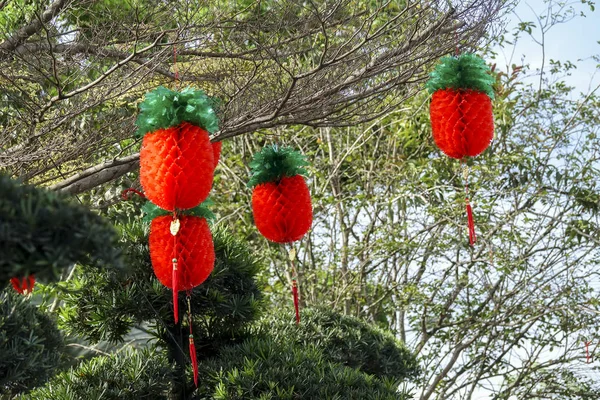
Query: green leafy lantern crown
(164, 108)
(466, 71)
(152, 211)
(273, 163)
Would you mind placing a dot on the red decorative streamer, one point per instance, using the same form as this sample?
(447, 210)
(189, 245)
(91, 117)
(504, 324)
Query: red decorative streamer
(194, 359)
(193, 356)
(295, 294)
(23, 286)
(470, 220)
(472, 236)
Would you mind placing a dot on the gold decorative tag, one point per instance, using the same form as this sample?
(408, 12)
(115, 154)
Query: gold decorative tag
(292, 254)
(175, 225)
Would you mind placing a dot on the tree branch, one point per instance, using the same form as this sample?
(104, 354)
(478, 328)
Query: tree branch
(31, 29)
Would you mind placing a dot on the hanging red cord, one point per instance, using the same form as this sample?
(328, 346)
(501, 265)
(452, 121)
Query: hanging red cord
(192, 348)
(295, 294)
(588, 358)
(175, 224)
(292, 257)
(125, 193)
(470, 220)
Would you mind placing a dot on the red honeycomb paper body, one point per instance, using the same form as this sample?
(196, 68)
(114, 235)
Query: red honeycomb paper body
(177, 166)
(195, 251)
(216, 152)
(282, 210)
(462, 122)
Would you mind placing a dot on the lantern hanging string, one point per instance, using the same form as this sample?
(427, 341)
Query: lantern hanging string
(470, 220)
(175, 224)
(193, 357)
(175, 68)
(125, 193)
(292, 258)
(457, 50)
(588, 358)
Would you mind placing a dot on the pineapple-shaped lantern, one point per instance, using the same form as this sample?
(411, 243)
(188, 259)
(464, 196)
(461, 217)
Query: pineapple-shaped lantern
(281, 202)
(461, 112)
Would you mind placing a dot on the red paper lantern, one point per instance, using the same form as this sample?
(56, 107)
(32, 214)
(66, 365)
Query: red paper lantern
(176, 159)
(192, 247)
(216, 152)
(461, 107)
(177, 166)
(281, 201)
(182, 253)
(282, 209)
(462, 121)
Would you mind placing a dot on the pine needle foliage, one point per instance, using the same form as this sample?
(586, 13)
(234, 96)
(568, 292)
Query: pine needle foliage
(273, 163)
(262, 368)
(128, 375)
(105, 306)
(345, 340)
(466, 71)
(42, 232)
(163, 108)
(30, 344)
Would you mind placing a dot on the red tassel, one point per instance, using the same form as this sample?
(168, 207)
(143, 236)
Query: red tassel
(175, 292)
(23, 286)
(472, 236)
(295, 293)
(194, 359)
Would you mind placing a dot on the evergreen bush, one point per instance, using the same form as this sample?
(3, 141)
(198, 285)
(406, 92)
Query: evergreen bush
(30, 344)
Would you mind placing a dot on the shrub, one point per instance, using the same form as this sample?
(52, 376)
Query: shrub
(30, 344)
(345, 340)
(128, 375)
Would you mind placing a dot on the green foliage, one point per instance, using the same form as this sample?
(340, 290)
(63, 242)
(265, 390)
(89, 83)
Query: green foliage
(261, 368)
(15, 13)
(128, 375)
(152, 211)
(466, 71)
(345, 340)
(273, 163)
(164, 108)
(30, 344)
(104, 306)
(41, 232)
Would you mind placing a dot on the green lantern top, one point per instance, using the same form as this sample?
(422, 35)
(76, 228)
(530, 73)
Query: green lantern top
(164, 108)
(152, 211)
(273, 163)
(466, 71)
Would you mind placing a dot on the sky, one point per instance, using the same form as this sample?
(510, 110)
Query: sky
(573, 40)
